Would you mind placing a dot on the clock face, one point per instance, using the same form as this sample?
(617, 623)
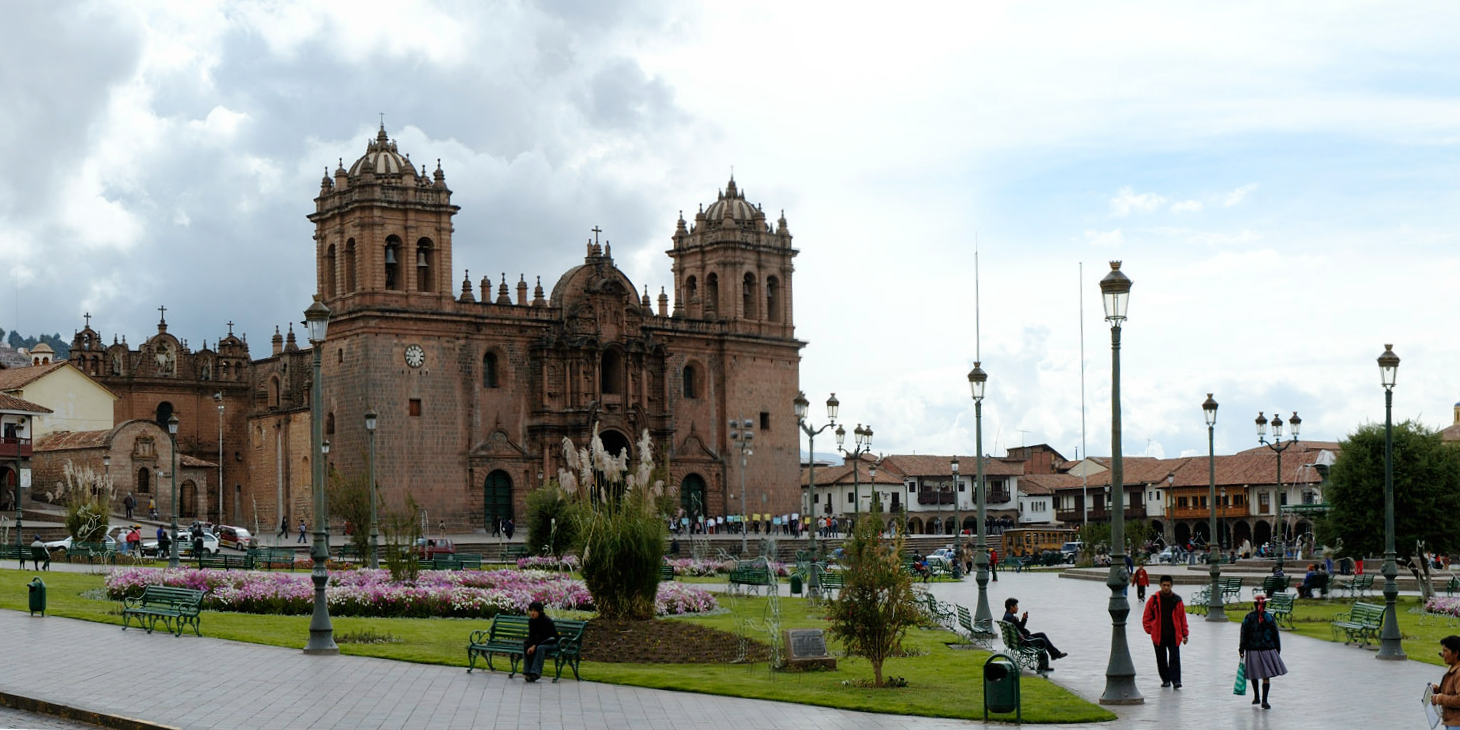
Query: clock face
(415, 356)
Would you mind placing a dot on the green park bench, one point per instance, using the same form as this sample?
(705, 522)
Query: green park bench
(92, 552)
(270, 558)
(1271, 586)
(177, 607)
(38, 555)
(1026, 656)
(1319, 583)
(514, 553)
(935, 612)
(1360, 623)
(1355, 587)
(1451, 586)
(226, 562)
(981, 635)
(1231, 589)
(508, 636)
(753, 575)
(1281, 608)
(347, 552)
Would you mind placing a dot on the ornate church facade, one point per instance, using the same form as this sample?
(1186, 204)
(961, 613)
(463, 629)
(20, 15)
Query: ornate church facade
(475, 393)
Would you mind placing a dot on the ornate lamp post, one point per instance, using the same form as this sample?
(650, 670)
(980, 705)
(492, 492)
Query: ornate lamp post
(1389, 638)
(983, 619)
(1278, 445)
(861, 445)
(172, 434)
(370, 418)
(957, 524)
(1120, 673)
(741, 435)
(218, 398)
(321, 631)
(1215, 610)
(802, 405)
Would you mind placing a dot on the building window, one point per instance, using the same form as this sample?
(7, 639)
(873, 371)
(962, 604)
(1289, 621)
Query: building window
(392, 263)
(489, 371)
(144, 481)
(691, 382)
(749, 297)
(424, 256)
(349, 266)
(611, 374)
(330, 289)
(415, 406)
(849, 498)
(772, 299)
(329, 424)
(765, 421)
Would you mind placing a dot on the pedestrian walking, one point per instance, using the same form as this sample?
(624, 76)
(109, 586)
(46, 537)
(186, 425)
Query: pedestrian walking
(994, 564)
(301, 539)
(130, 503)
(1165, 620)
(509, 528)
(151, 508)
(1141, 580)
(1261, 649)
(1446, 694)
(283, 529)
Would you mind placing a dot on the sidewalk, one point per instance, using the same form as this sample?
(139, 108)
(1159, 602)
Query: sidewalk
(193, 682)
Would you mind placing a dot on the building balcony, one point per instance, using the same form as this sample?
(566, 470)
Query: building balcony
(14, 448)
(935, 498)
(1076, 516)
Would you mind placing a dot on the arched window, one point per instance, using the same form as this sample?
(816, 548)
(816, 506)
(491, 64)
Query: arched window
(691, 289)
(144, 480)
(489, 371)
(350, 266)
(330, 290)
(691, 381)
(773, 299)
(164, 412)
(187, 499)
(692, 495)
(424, 264)
(329, 424)
(611, 373)
(712, 293)
(274, 392)
(750, 297)
(497, 497)
(392, 263)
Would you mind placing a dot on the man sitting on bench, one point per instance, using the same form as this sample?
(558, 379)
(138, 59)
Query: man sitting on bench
(1315, 578)
(1036, 640)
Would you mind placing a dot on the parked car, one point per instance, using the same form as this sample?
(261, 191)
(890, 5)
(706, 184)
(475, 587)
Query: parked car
(430, 547)
(1071, 551)
(111, 543)
(185, 545)
(1169, 554)
(237, 538)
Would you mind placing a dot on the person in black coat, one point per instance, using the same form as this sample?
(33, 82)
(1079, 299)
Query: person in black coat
(542, 636)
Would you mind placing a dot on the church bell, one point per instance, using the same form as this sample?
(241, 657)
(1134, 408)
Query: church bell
(390, 255)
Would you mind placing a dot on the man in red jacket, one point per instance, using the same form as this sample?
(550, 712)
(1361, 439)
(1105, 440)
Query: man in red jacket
(1165, 621)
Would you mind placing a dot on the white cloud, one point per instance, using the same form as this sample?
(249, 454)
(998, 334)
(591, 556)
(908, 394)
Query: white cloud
(1186, 206)
(1104, 238)
(1127, 200)
(1237, 195)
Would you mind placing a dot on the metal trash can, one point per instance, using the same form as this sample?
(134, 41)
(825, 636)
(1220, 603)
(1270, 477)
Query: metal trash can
(1001, 687)
(796, 584)
(37, 596)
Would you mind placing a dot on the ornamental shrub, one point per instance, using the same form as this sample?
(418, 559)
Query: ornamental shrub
(875, 607)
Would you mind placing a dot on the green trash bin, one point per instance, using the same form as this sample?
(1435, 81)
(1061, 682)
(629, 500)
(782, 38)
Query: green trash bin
(37, 596)
(795, 584)
(1001, 687)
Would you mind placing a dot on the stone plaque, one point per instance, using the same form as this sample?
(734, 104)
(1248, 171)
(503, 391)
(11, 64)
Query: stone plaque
(806, 649)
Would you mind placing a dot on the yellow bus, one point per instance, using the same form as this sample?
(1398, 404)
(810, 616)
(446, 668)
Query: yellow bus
(1021, 541)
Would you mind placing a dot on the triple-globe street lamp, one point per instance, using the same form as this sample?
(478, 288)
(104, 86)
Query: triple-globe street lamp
(802, 406)
(862, 444)
(1389, 637)
(1120, 673)
(1215, 610)
(742, 435)
(1278, 445)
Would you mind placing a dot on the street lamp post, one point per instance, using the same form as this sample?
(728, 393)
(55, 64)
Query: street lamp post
(172, 434)
(1389, 637)
(862, 444)
(1278, 445)
(1120, 673)
(742, 436)
(321, 631)
(1215, 610)
(957, 524)
(370, 418)
(802, 405)
(983, 619)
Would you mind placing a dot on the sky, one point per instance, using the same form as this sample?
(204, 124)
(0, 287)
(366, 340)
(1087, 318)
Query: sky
(1280, 183)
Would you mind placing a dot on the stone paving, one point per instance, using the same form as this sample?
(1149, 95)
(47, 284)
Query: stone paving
(30, 721)
(195, 682)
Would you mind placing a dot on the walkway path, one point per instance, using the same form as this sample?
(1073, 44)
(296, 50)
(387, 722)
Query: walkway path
(209, 683)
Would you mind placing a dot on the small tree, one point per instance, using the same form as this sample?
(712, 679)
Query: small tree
(549, 520)
(349, 500)
(400, 529)
(620, 533)
(875, 607)
(87, 497)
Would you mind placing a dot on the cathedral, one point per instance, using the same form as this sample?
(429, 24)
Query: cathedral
(476, 390)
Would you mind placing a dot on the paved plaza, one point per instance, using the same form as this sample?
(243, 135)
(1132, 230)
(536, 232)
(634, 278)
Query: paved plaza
(193, 682)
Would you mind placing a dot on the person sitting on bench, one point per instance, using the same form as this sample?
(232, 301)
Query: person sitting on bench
(1036, 640)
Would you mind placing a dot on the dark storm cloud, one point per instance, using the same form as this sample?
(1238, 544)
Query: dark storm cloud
(540, 143)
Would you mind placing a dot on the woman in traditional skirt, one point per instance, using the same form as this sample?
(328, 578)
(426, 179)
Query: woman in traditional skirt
(1261, 647)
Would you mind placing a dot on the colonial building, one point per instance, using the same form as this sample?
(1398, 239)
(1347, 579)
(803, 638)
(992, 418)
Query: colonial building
(475, 393)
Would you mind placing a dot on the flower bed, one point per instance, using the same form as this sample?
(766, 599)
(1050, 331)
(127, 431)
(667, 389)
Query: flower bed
(1447, 606)
(548, 562)
(436, 593)
(701, 568)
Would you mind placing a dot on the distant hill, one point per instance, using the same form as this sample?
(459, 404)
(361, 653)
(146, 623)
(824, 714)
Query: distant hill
(17, 340)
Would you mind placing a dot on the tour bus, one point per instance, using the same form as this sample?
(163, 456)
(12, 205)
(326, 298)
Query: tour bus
(1023, 541)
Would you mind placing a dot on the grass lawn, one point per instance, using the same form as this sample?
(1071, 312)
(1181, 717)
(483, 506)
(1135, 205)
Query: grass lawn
(942, 682)
(1314, 616)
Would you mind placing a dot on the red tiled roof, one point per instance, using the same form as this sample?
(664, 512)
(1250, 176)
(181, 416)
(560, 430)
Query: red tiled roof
(921, 465)
(68, 440)
(11, 403)
(12, 378)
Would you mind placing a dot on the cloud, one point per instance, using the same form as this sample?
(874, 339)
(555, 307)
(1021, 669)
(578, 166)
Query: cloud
(1104, 238)
(1186, 206)
(1237, 195)
(1127, 200)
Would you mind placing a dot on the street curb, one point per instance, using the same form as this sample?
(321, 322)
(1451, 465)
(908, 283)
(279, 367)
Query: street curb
(67, 712)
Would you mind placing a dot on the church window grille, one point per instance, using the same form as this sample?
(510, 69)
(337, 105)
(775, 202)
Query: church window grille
(331, 289)
(350, 266)
(691, 382)
(489, 371)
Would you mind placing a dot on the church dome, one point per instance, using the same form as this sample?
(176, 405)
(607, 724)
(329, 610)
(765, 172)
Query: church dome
(733, 202)
(382, 158)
